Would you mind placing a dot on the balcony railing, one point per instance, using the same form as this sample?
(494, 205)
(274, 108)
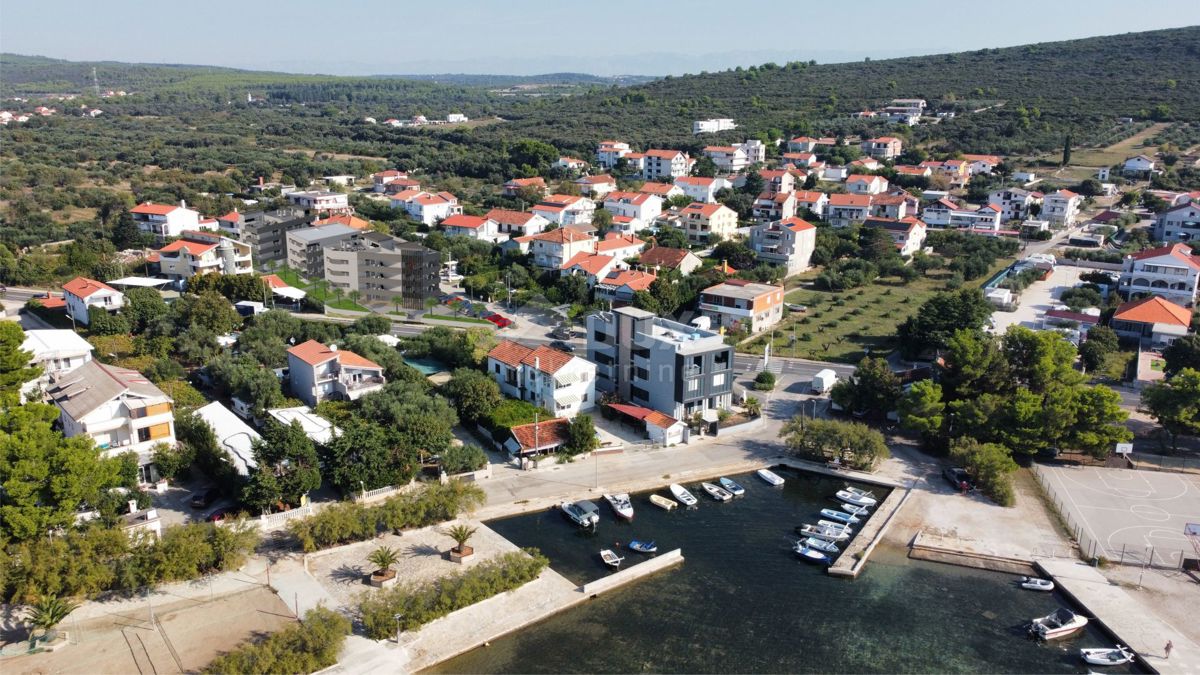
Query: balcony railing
(351, 384)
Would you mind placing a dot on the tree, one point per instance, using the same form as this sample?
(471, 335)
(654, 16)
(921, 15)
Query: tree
(923, 411)
(210, 310)
(941, 315)
(461, 534)
(973, 364)
(764, 381)
(875, 245)
(671, 237)
(736, 253)
(704, 167)
(991, 467)
(462, 458)
(47, 613)
(855, 444)
(1098, 422)
(581, 436)
(143, 306)
(872, 389)
(1066, 153)
(1101, 341)
(1039, 359)
(1182, 353)
(383, 558)
(754, 184)
(14, 363)
(1175, 404)
(362, 458)
(753, 406)
(286, 467)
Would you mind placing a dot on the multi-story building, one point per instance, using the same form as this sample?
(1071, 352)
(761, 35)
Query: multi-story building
(895, 204)
(55, 351)
(619, 286)
(383, 269)
(306, 248)
(666, 164)
(566, 209)
(119, 409)
(983, 163)
(551, 250)
(735, 158)
(596, 187)
(198, 253)
(862, 184)
(164, 221)
(660, 258)
(517, 223)
(639, 207)
(548, 378)
(1171, 272)
(712, 126)
(646, 360)
(774, 206)
(816, 202)
(884, 147)
(475, 227)
(321, 202)
(81, 294)
(945, 213)
(1061, 208)
(788, 243)
(1014, 203)
(426, 207)
(701, 188)
(1180, 223)
(742, 305)
(265, 231)
(908, 233)
(708, 222)
(382, 179)
(317, 373)
(1153, 321)
(844, 209)
(608, 153)
(778, 180)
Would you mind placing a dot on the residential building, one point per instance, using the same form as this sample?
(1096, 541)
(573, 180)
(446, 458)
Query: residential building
(317, 428)
(383, 269)
(676, 369)
(860, 184)
(896, 204)
(666, 164)
(1179, 223)
(517, 223)
(635, 164)
(708, 222)
(1061, 208)
(55, 351)
(908, 234)
(639, 207)
(816, 202)
(1171, 272)
(905, 110)
(265, 231)
(712, 126)
(834, 174)
(596, 187)
(1140, 166)
(727, 158)
(742, 305)
(778, 180)
(619, 286)
(119, 409)
(774, 206)
(232, 434)
(317, 372)
(660, 258)
(664, 190)
(866, 164)
(787, 243)
(844, 209)
(1014, 203)
(548, 378)
(700, 188)
(983, 163)
(570, 164)
(515, 186)
(164, 221)
(608, 153)
(909, 171)
(543, 437)
(883, 147)
(591, 266)
(1155, 322)
(81, 294)
(475, 227)
(399, 185)
(306, 248)
(321, 202)
(381, 179)
(566, 209)
(801, 159)
(802, 144)
(344, 219)
(199, 253)
(620, 246)
(426, 207)
(551, 250)
(945, 213)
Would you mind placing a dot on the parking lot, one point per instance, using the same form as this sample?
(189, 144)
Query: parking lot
(1037, 298)
(1126, 515)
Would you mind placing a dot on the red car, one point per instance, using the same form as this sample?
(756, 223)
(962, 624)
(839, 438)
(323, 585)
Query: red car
(500, 321)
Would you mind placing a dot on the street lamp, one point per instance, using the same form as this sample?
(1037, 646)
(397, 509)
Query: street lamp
(397, 617)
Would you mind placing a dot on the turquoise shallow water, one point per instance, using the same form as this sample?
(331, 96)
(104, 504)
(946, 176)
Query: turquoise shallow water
(742, 602)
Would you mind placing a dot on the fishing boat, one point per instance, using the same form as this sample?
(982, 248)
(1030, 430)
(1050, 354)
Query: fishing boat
(663, 503)
(620, 505)
(1107, 657)
(770, 476)
(811, 554)
(840, 516)
(859, 491)
(717, 492)
(1061, 623)
(832, 525)
(1036, 584)
(643, 546)
(823, 533)
(686, 498)
(821, 545)
(855, 500)
(855, 510)
(583, 513)
(734, 489)
(610, 558)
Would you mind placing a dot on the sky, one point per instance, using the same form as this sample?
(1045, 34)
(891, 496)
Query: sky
(525, 37)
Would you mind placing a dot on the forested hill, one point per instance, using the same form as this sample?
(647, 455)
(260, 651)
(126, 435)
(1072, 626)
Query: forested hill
(548, 79)
(1046, 88)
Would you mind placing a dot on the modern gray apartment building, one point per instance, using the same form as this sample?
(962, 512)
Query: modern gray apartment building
(383, 269)
(646, 360)
(265, 231)
(306, 248)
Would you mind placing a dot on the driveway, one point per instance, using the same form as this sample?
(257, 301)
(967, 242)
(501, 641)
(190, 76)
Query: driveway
(1039, 297)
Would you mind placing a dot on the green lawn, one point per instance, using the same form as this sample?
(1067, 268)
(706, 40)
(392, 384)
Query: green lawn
(458, 319)
(842, 326)
(1116, 366)
(318, 293)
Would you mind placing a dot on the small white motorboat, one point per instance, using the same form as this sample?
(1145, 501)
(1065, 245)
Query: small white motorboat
(832, 525)
(663, 503)
(610, 558)
(1036, 584)
(1061, 623)
(1107, 657)
(717, 492)
(855, 510)
(811, 554)
(821, 545)
(840, 516)
(734, 489)
(823, 533)
(855, 500)
(582, 513)
(859, 491)
(770, 476)
(620, 505)
(686, 498)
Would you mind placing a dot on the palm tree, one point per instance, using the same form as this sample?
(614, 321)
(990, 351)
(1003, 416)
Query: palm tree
(47, 613)
(383, 558)
(460, 534)
(354, 296)
(753, 406)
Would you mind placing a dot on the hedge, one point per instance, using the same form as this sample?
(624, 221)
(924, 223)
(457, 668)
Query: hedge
(309, 646)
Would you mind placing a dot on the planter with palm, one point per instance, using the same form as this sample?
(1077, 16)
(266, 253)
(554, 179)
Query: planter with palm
(383, 558)
(461, 534)
(45, 614)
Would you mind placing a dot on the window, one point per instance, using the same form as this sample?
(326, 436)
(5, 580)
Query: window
(693, 385)
(718, 379)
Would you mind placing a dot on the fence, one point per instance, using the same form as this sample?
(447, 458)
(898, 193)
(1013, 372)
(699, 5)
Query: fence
(270, 521)
(1092, 549)
(1178, 464)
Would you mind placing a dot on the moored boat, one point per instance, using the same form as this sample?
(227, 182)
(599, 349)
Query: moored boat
(854, 499)
(663, 503)
(855, 510)
(733, 488)
(1104, 656)
(686, 498)
(610, 558)
(859, 491)
(823, 533)
(716, 492)
(620, 505)
(840, 516)
(770, 476)
(643, 546)
(821, 545)
(811, 554)
(582, 513)
(832, 525)
(1061, 623)
(1036, 584)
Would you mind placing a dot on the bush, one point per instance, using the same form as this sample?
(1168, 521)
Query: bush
(306, 647)
(1081, 298)
(847, 273)
(764, 381)
(418, 604)
(990, 465)
(461, 458)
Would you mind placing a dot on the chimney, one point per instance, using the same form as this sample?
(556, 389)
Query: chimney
(260, 181)
(183, 203)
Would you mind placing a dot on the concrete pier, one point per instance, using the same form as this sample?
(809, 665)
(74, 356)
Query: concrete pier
(851, 562)
(1110, 606)
(954, 551)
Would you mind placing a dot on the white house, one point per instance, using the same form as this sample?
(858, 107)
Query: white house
(843, 209)
(1061, 207)
(883, 147)
(549, 378)
(668, 164)
(551, 250)
(591, 266)
(570, 163)
(861, 184)
(727, 158)
(712, 126)
(1140, 166)
(619, 286)
(426, 207)
(1171, 272)
(163, 220)
(773, 206)
(474, 227)
(565, 209)
(701, 189)
(317, 372)
(517, 223)
(788, 243)
(198, 253)
(596, 186)
(609, 152)
(1155, 322)
(983, 163)
(908, 234)
(1014, 203)
(232, 434)
(55, 351)
(1180, 223)
(813, 201)
(381, 179)
(945, 213)
(322, 202)
(640, 207)
(82, 294)
(620, 246)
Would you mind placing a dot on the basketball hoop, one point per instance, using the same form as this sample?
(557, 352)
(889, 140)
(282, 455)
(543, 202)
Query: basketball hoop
(1192, 532)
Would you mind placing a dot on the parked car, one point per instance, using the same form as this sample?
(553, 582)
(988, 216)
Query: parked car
(219, 515)
(500, 321)
(561, 332)
(563, 346)
(205, 497)
(793, 307)
(959, 478)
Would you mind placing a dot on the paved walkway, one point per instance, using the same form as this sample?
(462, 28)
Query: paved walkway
(1124, 617)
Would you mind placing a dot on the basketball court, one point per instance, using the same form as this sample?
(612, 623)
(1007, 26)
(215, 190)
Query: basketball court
(1126, 515)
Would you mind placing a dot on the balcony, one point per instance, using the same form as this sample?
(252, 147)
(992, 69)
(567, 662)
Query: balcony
(354, 388)
(691, 371)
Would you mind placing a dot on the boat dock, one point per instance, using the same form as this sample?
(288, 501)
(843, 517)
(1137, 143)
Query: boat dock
(954, 551)
(1123, 617)
(852, 561)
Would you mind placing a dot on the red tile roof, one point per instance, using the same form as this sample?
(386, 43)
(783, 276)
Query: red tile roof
(543, 358)
(314, 354)
(636, 280)
(347, 220)
(507, 217)
(614, 241)
(1178, 251)
(591, 263)
(153, 209)
(797, 224)
(635, 198)
(273, 281)
(706, 210)
(563, 235)
(467, 222)
(536, 181)
(695, 180)
(663, 154)
(1154, 310)
(665, 257)
(193, 247)
(645, 414)
(660, 189)
(84, 288)
(849, 200)
(545, 434)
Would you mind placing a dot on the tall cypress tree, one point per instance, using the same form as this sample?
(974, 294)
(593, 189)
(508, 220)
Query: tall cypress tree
(1066, 158)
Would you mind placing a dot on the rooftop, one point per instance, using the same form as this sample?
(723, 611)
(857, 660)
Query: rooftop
(1154, 310)
(737, 288)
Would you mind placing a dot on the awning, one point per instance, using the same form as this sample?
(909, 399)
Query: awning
(147, 282)
(290, 292)
(566, 399)
(566, 378)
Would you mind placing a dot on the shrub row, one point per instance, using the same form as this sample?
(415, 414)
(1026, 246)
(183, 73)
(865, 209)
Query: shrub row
(306, 647)
(418, 604)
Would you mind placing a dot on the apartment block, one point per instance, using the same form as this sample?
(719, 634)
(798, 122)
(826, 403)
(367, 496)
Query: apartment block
(383, 269)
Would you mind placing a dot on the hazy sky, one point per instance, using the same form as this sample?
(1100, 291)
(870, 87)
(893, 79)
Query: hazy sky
(607, 37)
